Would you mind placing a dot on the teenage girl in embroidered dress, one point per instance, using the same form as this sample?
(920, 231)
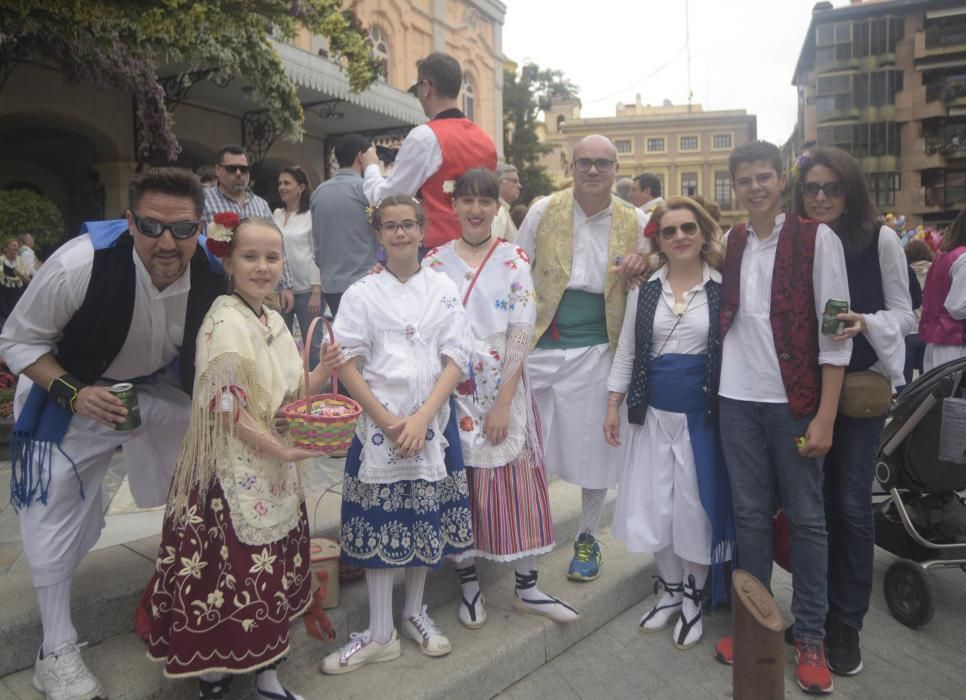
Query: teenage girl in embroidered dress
(404, 496)
(501, 443)
(674, 500)
(233, 567)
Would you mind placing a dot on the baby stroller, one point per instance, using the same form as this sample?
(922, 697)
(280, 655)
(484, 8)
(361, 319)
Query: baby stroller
(923, 518)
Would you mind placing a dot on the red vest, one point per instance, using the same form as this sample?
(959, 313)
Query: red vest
(464, 146)
(936, 325)
(793, 321)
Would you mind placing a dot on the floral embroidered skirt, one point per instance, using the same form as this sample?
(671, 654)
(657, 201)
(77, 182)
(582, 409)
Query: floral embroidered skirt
(511, 510)
(406, 523)
(217, 604)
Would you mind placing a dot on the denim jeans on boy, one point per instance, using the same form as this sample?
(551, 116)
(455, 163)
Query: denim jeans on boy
(849, 468)
(759, 441)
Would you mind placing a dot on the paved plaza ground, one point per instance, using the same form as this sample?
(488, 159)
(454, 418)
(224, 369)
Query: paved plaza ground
(514, 657)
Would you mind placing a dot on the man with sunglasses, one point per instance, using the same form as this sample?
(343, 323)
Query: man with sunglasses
(583, 244)
(121, 303)
(434, 155)
(232, 193)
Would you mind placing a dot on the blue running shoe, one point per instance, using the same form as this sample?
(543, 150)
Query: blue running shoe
(585, 566)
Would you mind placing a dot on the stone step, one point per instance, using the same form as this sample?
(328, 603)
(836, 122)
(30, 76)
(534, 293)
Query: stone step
(109, 583)
(484, 662)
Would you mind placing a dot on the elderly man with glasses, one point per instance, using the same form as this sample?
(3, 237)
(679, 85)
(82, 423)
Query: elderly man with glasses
(122, 303)
(510, 188)
(584, 245)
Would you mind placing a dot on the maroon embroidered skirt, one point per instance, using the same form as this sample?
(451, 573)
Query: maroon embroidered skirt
(217, 604)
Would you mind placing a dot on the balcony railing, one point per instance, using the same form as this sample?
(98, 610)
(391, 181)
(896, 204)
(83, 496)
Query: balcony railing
(951, 90)
(941, 41)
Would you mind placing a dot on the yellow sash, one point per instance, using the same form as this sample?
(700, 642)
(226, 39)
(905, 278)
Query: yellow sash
(554, 259)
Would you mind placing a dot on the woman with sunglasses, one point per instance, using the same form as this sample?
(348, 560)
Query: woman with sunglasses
(832, 189)
(674, 499)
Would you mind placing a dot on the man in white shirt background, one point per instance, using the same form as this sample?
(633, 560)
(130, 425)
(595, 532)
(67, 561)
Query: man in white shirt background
(28, 258)
(645, 192)
(434, 155)
(510, 187)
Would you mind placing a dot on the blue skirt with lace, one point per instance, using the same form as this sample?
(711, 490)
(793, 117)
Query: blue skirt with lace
(406, 523)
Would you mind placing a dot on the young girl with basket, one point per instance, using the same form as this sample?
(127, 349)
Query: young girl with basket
(498, 426)
(233, 567)
(404, 497)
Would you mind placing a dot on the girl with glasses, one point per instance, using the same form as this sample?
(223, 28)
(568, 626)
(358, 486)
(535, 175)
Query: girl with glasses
(832, 189)
(674, 499)
(404, 495)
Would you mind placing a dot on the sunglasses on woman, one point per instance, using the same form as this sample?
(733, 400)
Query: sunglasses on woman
(832, 190)
(688, 228)
(152, 228)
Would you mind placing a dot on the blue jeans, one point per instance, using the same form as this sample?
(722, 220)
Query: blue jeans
(763, 460)
(300, 311)
(849, 468)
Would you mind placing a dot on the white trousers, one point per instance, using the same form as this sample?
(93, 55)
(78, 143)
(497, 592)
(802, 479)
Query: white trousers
(658, 502)
(570, 388)
(58, 535)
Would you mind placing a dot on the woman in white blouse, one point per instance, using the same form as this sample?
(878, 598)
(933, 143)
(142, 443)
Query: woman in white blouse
(832, 189)
(674, 498)
(295, 221)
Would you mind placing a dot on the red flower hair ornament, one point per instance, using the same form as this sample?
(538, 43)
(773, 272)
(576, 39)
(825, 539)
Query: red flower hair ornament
(650, 229)
(220, 232)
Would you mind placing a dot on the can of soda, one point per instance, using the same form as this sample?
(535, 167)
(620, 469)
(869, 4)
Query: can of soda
(830, 324)
(129, 397)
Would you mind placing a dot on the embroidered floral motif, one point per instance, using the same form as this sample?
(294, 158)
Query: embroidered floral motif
(465, 388)
(466, 424)
(450, 302)
(435, 262)
(378, 439)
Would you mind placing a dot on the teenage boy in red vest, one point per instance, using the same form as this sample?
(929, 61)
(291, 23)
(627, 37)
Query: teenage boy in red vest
(779, 390)
(434, 154)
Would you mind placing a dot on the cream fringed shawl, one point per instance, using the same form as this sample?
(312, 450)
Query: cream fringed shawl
(249, 370)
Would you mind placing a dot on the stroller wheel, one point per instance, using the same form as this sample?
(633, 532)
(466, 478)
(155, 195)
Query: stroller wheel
(909, 593)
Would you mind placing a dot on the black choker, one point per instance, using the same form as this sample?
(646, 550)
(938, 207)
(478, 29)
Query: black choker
(476, 245)
(257, 314)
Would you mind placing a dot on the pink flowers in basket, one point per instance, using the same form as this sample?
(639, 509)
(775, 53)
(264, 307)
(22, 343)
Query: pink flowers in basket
(332, 411)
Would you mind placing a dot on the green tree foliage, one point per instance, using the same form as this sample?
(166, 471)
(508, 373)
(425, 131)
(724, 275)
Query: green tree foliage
(525, 95)
(121, 44)
(23, 211)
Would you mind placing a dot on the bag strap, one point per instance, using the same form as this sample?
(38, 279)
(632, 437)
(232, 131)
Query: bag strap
(479, 270)
(307, 350)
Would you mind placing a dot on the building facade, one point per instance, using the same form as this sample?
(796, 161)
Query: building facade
(683, 145)
(77, 145)
(886, 81)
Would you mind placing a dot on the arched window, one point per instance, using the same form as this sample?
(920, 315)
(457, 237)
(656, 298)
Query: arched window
(380, 49)
(469, 97)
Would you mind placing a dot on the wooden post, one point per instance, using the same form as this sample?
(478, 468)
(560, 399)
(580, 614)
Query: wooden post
(759, 648)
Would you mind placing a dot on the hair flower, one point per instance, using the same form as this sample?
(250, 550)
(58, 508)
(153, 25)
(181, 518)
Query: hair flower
(650, 229)
(220, 231)
(449, 186)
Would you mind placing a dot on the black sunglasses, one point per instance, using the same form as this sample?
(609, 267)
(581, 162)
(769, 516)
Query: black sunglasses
(233, 169)
(152, 228)
(831, 189)
(688, 228)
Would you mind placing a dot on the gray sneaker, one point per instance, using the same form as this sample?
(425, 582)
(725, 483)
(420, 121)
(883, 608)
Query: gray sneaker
(62, 675)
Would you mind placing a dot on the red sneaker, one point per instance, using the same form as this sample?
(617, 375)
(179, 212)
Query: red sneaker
(811, 669)
(724, 650)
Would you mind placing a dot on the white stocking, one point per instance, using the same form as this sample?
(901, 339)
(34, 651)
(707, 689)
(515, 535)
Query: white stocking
(54, 602)
(591, 509)
(415, 584)
(379, 586)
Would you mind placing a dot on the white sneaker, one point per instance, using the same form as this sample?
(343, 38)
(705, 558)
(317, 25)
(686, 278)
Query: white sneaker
(544, 605)
(472, 613)
(361, 650)
(422, 630)
(62, 675)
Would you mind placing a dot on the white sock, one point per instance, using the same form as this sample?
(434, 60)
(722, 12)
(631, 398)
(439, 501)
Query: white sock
(669, 565)
(379, 586)
(415, 583)
(700, 574)
(591, 509)
(469, 583)
(268, 682)
(526, 567)
(54, 604)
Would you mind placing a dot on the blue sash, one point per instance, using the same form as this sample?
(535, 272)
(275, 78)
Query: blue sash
(676, 383)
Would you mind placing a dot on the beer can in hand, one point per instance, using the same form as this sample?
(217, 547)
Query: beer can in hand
(830, 324)
(129, 397)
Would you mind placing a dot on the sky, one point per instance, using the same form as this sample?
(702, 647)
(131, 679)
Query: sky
(743, 52)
